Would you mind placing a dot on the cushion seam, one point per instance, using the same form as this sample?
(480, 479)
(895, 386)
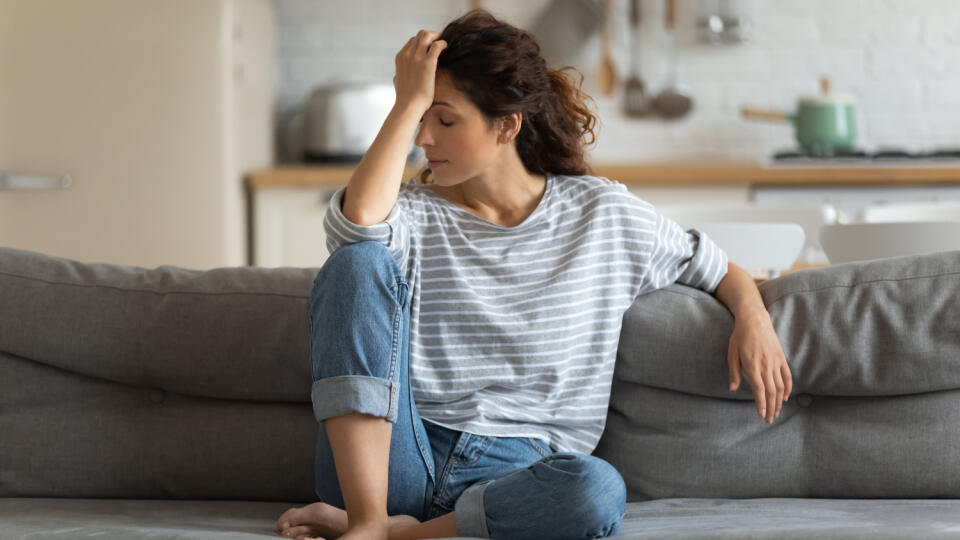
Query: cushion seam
(851, 285)
(106, 380)
(101, 286)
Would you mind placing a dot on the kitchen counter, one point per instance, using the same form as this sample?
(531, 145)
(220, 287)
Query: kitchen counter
(677, 174)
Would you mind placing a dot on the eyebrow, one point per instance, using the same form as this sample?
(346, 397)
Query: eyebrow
(444, 103)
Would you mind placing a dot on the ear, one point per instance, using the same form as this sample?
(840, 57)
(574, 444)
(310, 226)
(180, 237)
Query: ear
(510, 127)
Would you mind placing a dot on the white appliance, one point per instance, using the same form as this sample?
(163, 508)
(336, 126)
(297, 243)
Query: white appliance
(126, 127)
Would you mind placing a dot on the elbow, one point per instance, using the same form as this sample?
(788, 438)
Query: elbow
(361, 219)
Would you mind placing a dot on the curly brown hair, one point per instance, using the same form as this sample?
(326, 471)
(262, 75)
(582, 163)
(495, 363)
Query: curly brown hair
(499, 68)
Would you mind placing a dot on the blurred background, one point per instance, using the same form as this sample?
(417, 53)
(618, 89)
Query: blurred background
(205, 133)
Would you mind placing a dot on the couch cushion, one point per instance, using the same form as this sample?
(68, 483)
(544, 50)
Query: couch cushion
(875, 355)
(232, 333)
(779, 518)
(121, 381)
(120, 519)
(774, 519)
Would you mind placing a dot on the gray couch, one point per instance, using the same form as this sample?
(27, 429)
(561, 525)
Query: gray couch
(175, 403)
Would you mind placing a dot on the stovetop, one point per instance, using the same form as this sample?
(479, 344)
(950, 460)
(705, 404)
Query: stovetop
(856, 155)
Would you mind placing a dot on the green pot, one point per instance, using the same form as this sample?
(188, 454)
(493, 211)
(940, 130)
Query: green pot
(823, 124)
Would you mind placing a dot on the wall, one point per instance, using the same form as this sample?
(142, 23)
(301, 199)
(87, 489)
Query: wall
(898, 57)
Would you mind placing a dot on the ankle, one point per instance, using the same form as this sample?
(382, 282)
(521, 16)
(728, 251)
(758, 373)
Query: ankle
(367, 518)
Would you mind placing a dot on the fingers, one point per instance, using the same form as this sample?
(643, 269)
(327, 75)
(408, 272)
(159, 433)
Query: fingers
(759, 394)
(770, 393)
(733, 359)
(436, 48)
(425, 38)
(770, 388)
(787, 380)
(778, 380)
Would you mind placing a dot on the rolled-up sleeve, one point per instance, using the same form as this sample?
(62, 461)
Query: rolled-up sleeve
(689, 257)
(393, 232)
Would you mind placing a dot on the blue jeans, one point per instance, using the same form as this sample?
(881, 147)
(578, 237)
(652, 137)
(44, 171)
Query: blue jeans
(500, 487)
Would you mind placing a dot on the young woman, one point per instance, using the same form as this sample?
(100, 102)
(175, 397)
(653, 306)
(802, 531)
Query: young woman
(465, 326)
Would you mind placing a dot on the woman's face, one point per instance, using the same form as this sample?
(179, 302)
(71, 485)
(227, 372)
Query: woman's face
(454, 133)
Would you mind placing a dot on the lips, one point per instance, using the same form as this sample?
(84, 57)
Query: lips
(433, 163)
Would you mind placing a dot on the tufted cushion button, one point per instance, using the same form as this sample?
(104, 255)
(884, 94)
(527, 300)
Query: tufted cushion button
(804, 400)
(157, 396)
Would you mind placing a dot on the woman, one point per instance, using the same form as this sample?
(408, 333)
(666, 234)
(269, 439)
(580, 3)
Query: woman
(465, 326)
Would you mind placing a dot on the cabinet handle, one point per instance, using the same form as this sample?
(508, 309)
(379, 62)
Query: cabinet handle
(11, 181)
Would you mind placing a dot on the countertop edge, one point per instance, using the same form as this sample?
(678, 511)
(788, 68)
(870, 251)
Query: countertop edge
(665, 174)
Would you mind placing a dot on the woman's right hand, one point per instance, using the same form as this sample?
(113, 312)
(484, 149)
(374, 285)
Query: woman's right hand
(417, 70)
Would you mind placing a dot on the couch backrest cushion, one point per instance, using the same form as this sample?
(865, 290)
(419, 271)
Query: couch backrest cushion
(874, 349)
(120, 381)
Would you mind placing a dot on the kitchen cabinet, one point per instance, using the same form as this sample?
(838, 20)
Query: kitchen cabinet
(286, 205)
(289, 226)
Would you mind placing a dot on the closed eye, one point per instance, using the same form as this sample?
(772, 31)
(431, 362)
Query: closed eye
(442, 123)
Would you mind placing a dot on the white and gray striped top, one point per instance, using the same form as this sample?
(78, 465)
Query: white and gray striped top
(514, 330)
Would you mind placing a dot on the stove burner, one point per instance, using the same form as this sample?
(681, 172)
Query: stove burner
(884, 154)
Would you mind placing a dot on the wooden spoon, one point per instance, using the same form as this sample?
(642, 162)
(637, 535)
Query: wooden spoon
(607, 72)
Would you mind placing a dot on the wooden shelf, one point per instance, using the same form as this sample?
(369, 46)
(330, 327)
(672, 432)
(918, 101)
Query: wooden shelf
(669, 174)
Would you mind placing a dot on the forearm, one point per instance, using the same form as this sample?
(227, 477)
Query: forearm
(739, 293)
(375, 183)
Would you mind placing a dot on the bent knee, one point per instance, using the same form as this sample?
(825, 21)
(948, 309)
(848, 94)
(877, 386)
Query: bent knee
(352, 264)
(597, 490)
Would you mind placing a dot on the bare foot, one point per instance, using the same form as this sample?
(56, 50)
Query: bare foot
(322, 520)
(367, 531)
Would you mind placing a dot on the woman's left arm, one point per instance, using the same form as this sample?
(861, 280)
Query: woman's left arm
(754, 346)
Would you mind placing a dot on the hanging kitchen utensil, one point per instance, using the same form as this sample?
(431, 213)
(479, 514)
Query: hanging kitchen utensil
(823, 124)
(672, 102)
(635, 99)
(607, 72)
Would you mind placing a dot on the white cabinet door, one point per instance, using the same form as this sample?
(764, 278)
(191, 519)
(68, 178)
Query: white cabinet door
(288, 227)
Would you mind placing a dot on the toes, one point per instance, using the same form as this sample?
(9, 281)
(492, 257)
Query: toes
(297, 532)
(286, 519)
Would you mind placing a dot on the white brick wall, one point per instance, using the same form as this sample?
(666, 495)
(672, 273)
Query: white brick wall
(901, 58)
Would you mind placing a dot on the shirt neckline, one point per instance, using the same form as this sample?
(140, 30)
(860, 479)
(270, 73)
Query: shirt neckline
(522, 225)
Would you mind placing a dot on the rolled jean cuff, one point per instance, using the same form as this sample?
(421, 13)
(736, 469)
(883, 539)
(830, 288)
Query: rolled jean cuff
(470, 515)
(344, 394)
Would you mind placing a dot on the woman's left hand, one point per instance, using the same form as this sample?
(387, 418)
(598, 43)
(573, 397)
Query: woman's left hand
(755, 349)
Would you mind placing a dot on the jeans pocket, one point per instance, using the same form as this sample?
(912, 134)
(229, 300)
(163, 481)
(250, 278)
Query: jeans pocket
(475, 449)
(540, 446)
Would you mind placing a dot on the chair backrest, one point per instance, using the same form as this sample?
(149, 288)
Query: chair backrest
(848, 242)
(763, 249)
(809, 217)
(922, 211)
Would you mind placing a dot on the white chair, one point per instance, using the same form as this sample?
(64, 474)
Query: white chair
(848, 242)
(762, 249)
(808, 216)
(916, 211)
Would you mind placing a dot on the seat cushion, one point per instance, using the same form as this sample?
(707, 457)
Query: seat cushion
(824, 519)
(123, 519)
(784, 518)
(874, 351)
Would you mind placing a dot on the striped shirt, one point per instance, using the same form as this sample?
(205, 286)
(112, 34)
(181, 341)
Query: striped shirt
(514, 330)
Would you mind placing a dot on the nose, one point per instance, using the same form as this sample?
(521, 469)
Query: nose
(423, 137)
